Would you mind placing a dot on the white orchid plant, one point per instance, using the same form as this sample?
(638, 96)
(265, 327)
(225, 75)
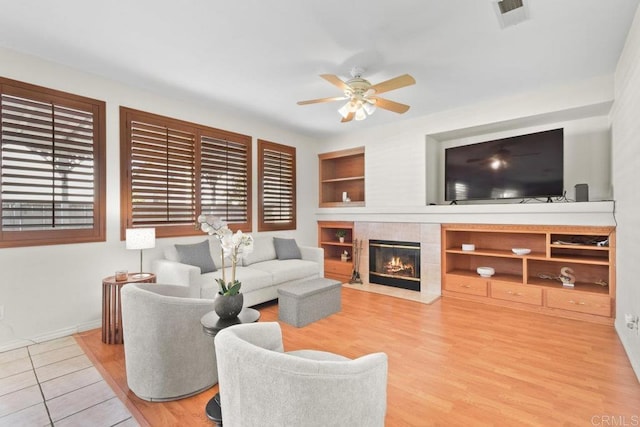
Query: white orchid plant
(234, 245)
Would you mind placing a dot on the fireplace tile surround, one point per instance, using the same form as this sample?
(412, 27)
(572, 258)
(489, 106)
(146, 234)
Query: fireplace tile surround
(428, 235)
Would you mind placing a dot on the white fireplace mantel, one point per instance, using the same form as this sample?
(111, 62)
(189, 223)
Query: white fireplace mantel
(576, 213)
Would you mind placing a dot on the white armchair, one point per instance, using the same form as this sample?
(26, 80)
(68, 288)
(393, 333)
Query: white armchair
(167, 355)
(262, 385)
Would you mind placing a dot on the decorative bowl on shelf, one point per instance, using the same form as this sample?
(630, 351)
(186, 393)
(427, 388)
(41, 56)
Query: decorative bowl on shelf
(468, 247)
(521, 251)
(486, 271)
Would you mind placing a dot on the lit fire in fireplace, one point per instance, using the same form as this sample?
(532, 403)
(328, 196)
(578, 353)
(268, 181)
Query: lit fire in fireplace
(395, 263)
(395, 266)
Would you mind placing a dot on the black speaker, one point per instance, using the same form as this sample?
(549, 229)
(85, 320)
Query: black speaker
(582, 192)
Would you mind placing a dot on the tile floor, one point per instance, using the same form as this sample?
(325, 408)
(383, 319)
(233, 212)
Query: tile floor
(55, 384)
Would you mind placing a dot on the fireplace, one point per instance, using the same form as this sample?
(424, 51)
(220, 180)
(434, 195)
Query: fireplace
(394, 263)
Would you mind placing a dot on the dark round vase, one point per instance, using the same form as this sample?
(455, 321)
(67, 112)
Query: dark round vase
(228, 306)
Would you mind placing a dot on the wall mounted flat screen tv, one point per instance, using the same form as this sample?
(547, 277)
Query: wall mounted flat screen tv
(524, 166)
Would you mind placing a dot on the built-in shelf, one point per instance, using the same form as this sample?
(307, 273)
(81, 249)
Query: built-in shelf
(341, 173)
(531, 281)
(335, 267)
(354, 178)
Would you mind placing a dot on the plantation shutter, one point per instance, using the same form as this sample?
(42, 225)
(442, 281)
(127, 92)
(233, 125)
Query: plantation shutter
(162, 175)
(50, 179)
(277, 172)
(224, 179)
(172, 171)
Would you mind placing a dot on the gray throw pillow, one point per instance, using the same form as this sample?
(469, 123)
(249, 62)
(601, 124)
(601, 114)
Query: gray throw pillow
(286, 248)
(197, 254)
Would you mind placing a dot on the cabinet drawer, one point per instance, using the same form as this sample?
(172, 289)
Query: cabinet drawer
(338, 267)
(466, 285)
(576, 301)
(516, 292)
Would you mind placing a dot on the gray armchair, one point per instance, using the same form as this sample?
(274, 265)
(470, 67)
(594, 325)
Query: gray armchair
(262, 385)
(167, 355)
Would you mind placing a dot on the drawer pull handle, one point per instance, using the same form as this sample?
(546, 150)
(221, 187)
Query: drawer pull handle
(518, 294)
(465, 286)
(574, 302)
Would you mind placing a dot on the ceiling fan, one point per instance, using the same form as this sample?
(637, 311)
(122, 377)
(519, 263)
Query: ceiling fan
(362, 96)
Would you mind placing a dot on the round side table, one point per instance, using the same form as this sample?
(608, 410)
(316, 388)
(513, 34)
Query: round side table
(111, 307)
(212, 324)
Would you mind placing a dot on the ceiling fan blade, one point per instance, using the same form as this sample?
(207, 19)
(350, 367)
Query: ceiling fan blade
(335, 80)
(395, 83)
(349, 117)
(396, 107)
(315, 101)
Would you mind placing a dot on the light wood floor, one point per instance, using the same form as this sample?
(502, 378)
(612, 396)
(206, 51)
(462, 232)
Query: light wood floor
(451, 363)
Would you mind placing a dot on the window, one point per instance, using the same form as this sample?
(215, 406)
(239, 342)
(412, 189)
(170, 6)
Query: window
(224, 178)
(172, 171)
(277, 189)
(52, 166)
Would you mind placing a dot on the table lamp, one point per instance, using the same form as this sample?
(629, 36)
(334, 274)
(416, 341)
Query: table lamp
(141, 238)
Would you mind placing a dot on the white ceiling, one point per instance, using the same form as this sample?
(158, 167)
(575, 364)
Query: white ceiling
(262, 56)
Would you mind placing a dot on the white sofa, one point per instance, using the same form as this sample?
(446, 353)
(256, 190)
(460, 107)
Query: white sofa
(261, 272)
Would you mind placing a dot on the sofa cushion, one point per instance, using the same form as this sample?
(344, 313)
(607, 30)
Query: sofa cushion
(286, 248)
(171, 254)
(263, 250)
(250, 278)
(287, 270)
(197, 254)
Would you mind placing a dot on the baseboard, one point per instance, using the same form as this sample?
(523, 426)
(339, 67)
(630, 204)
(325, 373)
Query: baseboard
(625, 336)
(48, 336)
(12, 345)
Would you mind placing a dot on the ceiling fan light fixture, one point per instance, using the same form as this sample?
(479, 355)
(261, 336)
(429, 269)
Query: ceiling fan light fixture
(369, 108)
(345, 110)
(362, 96)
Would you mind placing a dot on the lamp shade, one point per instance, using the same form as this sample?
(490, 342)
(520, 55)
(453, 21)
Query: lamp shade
(141, 238)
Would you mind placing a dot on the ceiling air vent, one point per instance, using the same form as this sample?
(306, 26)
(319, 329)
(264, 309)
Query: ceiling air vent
(509, 5)
(511, 12)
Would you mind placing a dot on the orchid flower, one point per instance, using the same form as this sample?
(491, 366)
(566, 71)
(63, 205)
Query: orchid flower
(233, 246)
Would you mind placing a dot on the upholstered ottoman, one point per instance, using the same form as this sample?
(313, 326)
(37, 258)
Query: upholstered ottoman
(305, 302)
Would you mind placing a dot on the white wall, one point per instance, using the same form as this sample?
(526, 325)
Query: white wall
(403, 161)
(49, 291)
(626, 175)
(587, 152)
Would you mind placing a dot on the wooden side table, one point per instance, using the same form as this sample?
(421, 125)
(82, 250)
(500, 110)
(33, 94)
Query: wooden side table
(111, 306)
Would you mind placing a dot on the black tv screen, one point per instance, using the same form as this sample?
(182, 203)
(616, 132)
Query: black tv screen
(525, 166)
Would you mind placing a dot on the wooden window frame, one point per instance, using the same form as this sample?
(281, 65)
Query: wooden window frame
(185, 228)
(97, 110)
(263, 224)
